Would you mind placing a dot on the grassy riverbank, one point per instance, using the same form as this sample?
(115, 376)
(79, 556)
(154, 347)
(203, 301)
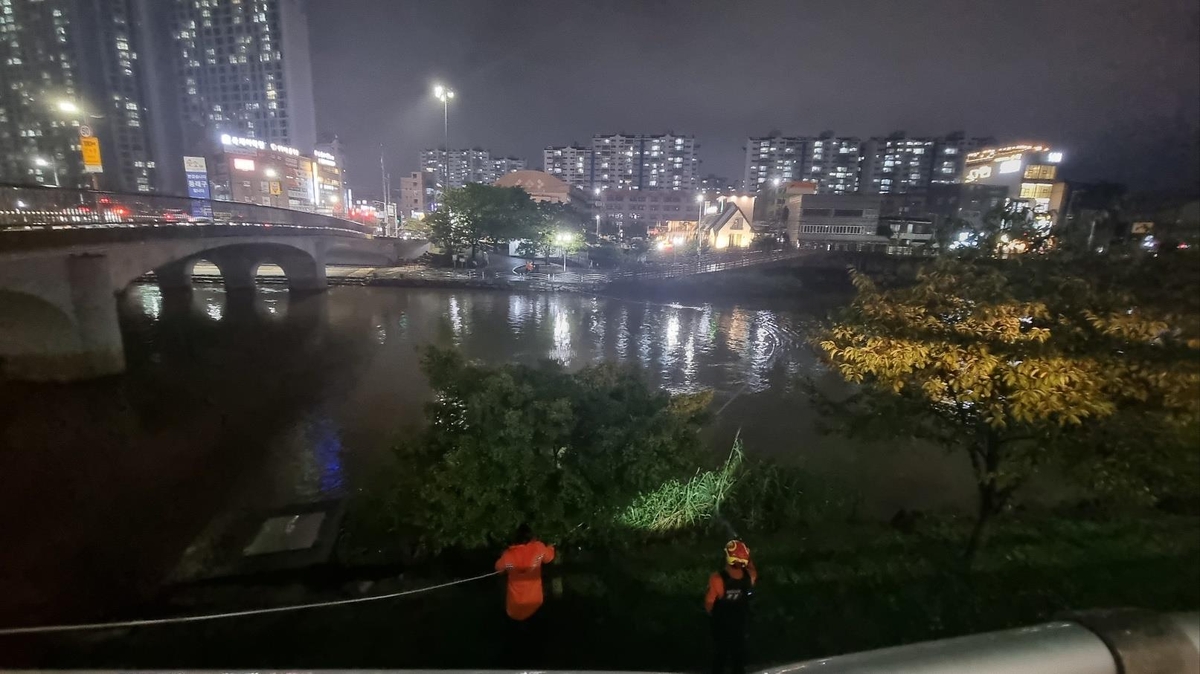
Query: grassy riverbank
(825, 589)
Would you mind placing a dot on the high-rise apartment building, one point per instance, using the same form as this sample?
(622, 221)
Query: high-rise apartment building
(243, 69)
(900, 165)
(475, 165)
(572, 164)
(645, 162)
(622, 161)
(66, 65)
(828, 161)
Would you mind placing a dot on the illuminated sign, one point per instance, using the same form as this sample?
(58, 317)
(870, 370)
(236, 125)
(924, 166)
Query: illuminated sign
(283, 149)
(237, 141)
(243, 164)
(1054, 157)
(1010, 165)
(992, 153)
(324, 158)
(89, 147)
(978, 173)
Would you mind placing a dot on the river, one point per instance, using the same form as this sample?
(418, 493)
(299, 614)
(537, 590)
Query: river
(235, 403)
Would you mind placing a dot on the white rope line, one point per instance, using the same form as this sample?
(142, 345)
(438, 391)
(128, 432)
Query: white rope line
(231, 614)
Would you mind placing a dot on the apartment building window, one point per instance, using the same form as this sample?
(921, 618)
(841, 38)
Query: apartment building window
(816, 211)
(847, 213)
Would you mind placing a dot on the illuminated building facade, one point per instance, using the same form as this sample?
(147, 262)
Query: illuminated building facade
(243, 68)
(253, 171)
(1028, 172)
(67, 64)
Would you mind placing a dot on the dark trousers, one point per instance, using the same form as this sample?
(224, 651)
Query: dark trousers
(729, 649)
(524, 641)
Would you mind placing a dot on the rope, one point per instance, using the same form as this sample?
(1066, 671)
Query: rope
(232, 614)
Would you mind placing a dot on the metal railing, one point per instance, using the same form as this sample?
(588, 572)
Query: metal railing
(704, 265)
(26, 209)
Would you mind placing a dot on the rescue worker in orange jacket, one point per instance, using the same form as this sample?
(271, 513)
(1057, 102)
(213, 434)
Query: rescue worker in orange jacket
(522, 563)
(728, 602)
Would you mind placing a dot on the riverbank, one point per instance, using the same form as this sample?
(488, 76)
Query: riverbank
(826, 588)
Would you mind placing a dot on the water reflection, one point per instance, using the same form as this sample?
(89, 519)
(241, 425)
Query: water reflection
(369, 338)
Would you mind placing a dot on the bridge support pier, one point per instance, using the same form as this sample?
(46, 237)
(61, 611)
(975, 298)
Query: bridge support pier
(70, 332)
(175, 276)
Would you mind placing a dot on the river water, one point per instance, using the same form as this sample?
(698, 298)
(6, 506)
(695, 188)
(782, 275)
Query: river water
(235, 403)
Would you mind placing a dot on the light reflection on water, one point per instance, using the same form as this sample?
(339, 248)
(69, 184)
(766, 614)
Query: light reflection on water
(738, 352)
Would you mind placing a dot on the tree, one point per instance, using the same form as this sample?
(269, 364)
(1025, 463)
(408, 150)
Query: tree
(566, 452)
(477, 215)
(542, 233)
(1024, 363)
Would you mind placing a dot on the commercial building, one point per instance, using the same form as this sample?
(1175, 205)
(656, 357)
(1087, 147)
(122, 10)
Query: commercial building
(1028, 172)
(830, 162)
(253, 171)
(243, 69)
(475, 165)
(835, 222)
(417, 195)
(630, 207)
(66, 65)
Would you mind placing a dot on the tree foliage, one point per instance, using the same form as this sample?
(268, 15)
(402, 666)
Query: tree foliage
(478, 215)
(1023, 363)
(566, 452)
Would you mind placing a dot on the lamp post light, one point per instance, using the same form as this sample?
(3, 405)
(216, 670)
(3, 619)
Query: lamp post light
(445, 95)
(42, 163)
(564, 238)
(699, 218)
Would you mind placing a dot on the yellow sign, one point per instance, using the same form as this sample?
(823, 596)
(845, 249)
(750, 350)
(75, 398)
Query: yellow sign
(276, 188)
(1142, 227)
(89, 147)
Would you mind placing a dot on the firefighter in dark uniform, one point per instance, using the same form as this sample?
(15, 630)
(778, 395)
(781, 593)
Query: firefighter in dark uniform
(728, 602)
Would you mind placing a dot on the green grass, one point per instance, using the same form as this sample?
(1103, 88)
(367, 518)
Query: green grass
(825, 588)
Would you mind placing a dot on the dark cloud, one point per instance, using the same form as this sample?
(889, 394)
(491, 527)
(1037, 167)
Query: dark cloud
(1116, 83)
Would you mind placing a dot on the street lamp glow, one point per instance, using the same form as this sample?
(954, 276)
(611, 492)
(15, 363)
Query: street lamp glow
(69, 107)
(776, 181)
(699, 198)
(271, 173)
(439, 91)
(40, 162)
(442, 93)
(564, 237)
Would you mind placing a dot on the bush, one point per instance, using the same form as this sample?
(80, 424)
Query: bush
(565, 452)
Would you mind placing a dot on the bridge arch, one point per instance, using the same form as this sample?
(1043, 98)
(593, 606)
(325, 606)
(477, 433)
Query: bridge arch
(238, 262)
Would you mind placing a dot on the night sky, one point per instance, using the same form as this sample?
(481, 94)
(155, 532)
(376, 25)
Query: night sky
(1114, 83)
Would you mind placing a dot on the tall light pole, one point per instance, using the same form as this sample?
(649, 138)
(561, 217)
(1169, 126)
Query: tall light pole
(597, 191)
(445, 95)
(699, 217)
(42, 163)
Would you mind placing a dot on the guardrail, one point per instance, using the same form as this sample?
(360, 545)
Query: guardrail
(1126, 641)
(25, 209)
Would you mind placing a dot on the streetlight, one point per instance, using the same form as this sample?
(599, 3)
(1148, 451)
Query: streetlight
(564, 238)
(67, 106)
(445, 95)
(42, 163)
(699, 217)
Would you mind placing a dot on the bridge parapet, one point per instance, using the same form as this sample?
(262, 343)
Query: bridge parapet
(46, 209)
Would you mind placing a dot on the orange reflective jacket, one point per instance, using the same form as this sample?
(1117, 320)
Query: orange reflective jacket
(523, 565)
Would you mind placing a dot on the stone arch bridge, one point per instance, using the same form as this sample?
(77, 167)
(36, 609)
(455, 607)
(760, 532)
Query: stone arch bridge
(59, 276)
